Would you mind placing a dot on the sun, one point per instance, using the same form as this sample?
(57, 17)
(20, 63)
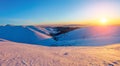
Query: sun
(103, 20)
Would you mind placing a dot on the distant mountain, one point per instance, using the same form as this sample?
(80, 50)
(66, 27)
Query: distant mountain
(32, 34)
(88, 36)
(61, 36)
(91, 32)
(22, 34)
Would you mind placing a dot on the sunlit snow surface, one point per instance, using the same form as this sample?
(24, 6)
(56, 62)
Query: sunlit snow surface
(83, 47)
(19, 54)
(85, 36)
(89, 36)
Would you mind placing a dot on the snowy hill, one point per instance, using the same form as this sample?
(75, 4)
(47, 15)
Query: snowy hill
(18, 54)
(22, 34)
(91, 32)
(88, 36)
(14, 51)
(44, 30)
(32, 34)
(61, 36)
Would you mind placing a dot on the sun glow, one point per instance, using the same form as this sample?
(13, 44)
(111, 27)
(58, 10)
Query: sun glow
(103, 20)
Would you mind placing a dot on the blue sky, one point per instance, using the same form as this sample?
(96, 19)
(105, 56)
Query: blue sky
(55, 11)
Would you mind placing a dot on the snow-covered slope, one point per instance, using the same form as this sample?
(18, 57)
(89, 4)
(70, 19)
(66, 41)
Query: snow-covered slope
(17, 54)
(91, 32)
(22, 34)
(39, 29)
(88, 36)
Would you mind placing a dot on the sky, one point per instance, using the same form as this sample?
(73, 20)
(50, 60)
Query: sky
(57, 11)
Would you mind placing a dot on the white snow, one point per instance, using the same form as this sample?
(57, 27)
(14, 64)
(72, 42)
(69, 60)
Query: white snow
(91, 32)
(41, 36)
(84, 46)
(17, 54)
(88, 36)
(22, 34)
